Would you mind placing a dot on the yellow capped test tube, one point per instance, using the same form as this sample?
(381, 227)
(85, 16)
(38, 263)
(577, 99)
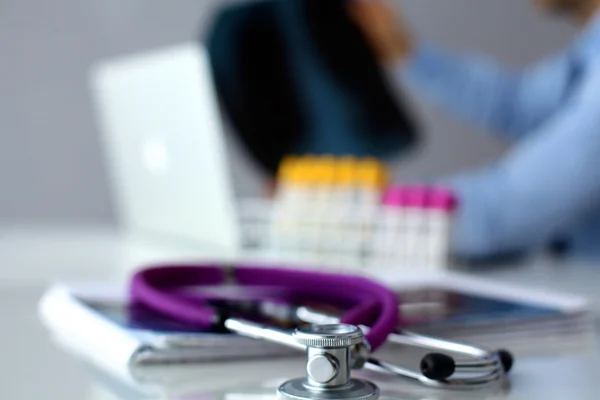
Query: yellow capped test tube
(324, 172)
(345, 172)
(370, 183)
(285, 171)
(286, 178)
(371, 174)
(307, 173)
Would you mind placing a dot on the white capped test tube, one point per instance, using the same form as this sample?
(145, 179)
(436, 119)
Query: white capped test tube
(286, 202)
(277, 223)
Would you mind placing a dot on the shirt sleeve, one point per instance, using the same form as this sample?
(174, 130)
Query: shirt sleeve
(508, 103)
(547, 185)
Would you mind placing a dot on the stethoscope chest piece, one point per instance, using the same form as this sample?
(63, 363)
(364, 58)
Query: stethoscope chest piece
(328, 366)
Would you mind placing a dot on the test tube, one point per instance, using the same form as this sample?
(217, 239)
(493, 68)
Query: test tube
(306, 220)
(325, 179)
(286, 202)
(442, 205)
(343, 198)
(371, 179)
(389, 242)
(416, 214)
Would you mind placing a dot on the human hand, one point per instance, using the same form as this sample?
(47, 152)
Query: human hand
(387, 34)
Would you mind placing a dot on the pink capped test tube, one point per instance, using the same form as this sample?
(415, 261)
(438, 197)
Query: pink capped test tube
(415, 227)
(442, 204)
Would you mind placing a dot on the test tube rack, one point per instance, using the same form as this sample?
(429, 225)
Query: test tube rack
(343, 212)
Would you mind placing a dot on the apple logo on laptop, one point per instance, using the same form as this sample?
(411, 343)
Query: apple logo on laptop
(155, 157)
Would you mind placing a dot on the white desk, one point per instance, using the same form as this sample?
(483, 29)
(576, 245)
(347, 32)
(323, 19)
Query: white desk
(32, 368)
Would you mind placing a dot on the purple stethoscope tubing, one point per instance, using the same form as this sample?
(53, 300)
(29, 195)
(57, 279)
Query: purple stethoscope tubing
(372, 304)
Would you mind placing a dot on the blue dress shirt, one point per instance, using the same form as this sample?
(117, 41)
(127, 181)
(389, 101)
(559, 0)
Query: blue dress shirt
(548, 185)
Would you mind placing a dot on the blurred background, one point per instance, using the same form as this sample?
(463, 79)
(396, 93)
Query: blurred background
(54, 179)
(51, 163)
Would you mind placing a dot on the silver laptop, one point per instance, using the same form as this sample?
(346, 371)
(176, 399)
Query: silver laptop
(164, 144)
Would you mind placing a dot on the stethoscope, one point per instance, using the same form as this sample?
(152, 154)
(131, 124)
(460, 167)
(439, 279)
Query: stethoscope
(333, 345)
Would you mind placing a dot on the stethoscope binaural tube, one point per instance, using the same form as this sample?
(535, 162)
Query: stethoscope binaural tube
(154, 287)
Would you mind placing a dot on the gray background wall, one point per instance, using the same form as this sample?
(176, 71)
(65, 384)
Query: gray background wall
(51, 165)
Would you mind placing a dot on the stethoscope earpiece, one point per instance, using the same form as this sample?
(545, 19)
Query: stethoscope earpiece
(438, 366)
(507, 360)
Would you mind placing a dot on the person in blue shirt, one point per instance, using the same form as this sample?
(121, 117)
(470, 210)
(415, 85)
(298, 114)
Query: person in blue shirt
(547, 187)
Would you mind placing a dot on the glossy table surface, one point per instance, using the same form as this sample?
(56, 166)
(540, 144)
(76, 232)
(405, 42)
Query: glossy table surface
(33, 368)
